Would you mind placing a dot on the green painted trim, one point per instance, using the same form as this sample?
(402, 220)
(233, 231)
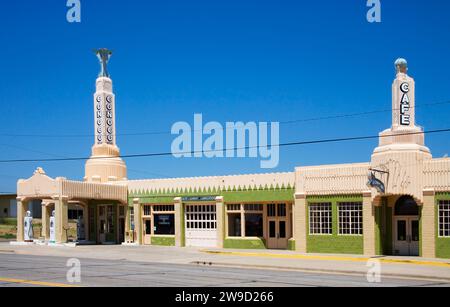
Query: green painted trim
(163, 240)
(335, 198)
(291, 245)
(383, 229)
(244, 243)
(378, 244)
(163, 200)
(259, 196)
(334, 243)
(443, 196)
(236, 195)
(442, 244)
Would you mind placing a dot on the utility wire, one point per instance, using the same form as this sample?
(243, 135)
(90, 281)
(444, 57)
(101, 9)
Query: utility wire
(160, 154)
(281, 123)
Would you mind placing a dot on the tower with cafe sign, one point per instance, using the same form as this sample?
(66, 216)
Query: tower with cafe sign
(105, 163)
(402, 152)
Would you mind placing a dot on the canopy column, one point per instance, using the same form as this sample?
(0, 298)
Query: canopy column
(61, 218)
(22, 207)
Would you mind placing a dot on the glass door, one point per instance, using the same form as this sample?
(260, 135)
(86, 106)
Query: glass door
(407, 236)
(277, 222)
(102, 228)
(147, 235)
(106, 224)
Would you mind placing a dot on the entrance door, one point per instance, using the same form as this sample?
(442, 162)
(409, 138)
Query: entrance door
(201, 226)
(106, 224)
(277, 223)
(406, 227)
(406, 240)
(147, 235)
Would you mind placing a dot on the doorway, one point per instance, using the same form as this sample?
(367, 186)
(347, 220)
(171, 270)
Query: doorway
(201, 225)
(277, 223)
(106, 224)
(147, 231)
(406, 221)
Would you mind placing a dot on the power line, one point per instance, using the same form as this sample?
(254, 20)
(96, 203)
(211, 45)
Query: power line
(160, 154)
(288, 122)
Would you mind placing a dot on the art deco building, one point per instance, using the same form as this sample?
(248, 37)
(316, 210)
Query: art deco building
(398, 203)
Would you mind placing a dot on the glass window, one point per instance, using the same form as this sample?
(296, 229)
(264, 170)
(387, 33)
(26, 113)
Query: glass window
(281, 209)
(234, 225)
(73, 214)
(102, 226)
(271, 210)
(253, 207)
(201, 216)
(92, 220)
(110, 219)
(163, 208)
(444, 218)
(282, 229)
(350, 218)
(164, 224)
(147, 210)
(272, 230)
(253, 225)
(121, 210)
(415, 231)
(233, 207)
(320, 219)
(148, 227)
(401, 230)
(406, 206)
(131, 218)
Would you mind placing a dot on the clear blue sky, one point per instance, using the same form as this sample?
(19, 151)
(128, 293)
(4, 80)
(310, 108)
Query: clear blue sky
(248, 60)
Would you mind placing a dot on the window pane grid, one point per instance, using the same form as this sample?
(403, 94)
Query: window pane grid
(320, 218)
(444, 218)
(201, 217)
(147, 210)
(253, 207)
(350, 218)
(233, 207)
(163, 208)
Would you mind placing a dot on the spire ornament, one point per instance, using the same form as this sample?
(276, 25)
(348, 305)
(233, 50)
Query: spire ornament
(401, 66)
(103, 56)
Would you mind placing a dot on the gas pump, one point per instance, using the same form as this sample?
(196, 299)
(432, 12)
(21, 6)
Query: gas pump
(52, 227)
(28, 227)
(81, 234)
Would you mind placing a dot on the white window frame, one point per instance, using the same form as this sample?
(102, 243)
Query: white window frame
(325, 216)
(350, 208)
(443, 212)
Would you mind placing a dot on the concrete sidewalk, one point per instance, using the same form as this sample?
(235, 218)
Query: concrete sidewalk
(403, 267)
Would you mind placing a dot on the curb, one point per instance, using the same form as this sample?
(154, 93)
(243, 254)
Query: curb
(320, 271)
(330, 258)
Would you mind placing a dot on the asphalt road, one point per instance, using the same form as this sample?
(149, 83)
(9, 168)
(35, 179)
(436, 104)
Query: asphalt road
(25, 270)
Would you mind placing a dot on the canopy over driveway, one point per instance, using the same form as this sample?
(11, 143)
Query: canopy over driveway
(59, 192)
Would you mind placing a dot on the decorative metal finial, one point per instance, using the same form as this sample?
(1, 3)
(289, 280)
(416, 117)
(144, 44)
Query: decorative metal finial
(103, 55)
(401, 66)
